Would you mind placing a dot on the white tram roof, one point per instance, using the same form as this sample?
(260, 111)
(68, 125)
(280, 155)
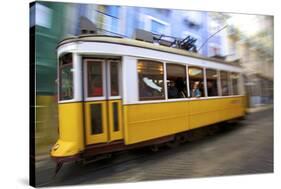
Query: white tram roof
(141, 44)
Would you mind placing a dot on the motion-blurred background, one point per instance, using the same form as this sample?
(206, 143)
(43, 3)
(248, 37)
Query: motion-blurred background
(245, 39)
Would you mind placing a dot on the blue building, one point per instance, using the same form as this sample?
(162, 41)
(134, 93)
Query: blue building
(177, 23)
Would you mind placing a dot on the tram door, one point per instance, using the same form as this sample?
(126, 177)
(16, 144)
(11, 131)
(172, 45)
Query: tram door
(102, 100)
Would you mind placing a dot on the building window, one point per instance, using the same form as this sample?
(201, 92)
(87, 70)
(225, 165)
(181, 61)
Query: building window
(193, 19)
(224, 83)
(113, 18)
(151, 80)
(212, 82)
(41, 15)
(156, 26)
(108, 18)
(234, 81)
(176, 81)
(196, 81)
(66, 77)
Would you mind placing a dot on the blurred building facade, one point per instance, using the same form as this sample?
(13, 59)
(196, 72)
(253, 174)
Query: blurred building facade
(177, 23)
(47, 24)
(255, 55)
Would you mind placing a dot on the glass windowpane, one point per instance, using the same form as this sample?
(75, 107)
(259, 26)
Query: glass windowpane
(95, 79)
(114, 79)
(196, 82)
(115, 116)
(212, 84)
(96, 118)
(235, 78)
(224, 83)
(66, 77)
(176, 81)
(151, 80)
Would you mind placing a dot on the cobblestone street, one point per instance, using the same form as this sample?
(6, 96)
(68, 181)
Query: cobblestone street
(243, 148)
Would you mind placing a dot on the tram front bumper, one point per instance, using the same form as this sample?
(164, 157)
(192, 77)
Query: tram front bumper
(64, 149)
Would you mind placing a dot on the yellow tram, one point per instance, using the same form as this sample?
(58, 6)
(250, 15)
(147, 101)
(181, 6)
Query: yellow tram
(117, 93)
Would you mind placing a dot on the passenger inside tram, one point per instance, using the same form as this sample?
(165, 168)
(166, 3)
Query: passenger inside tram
(150, 90)
(181, 86)
(195, 92)
(144, 90)
(177, 88)
(212, 88)
(172, 90)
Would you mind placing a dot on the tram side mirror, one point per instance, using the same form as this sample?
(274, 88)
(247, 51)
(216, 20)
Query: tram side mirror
(87, 26)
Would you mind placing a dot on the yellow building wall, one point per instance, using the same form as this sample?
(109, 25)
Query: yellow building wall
(46, 125)
(148, 121)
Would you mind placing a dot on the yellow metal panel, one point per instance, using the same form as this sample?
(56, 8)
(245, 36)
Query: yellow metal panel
(71, 140)
(125, 124)
(202, 119)
(96, 138)
(148, 121)
(208, 111)
(204, 112)
(115, 135)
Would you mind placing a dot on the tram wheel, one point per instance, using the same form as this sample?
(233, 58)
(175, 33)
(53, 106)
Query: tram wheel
(173, 144)
(154, 148)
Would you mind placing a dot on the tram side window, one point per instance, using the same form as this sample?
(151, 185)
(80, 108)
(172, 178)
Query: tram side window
(212, 82)
(224, 83)
(66, 77)
(176, 81)
(114, 79)
(196, 81)
(151, 80)
(95, 78)
(235, 79)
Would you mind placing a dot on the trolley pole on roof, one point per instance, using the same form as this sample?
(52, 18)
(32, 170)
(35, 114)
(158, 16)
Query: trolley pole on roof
(212, 36)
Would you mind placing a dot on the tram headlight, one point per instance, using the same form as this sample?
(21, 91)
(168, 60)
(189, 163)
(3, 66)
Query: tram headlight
(56, 146)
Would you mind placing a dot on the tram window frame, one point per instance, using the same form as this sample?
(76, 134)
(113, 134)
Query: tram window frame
(63, 66)
(237, 84)
(117, 79)
(202, 82)
(143, 84)
(228, 83)
(102, 83)
(184, 92)
(216, 82)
